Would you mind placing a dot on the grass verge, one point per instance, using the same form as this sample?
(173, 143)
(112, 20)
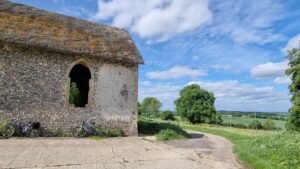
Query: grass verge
(260, 150)
(162, 130)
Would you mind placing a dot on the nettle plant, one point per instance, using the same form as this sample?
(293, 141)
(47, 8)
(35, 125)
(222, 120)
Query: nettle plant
(74, 94)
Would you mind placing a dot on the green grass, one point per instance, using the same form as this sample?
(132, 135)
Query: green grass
(162, 130)
(259, 149)
(247, 120)
(96, 137)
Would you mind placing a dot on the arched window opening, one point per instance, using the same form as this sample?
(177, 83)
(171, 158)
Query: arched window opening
(80, 77)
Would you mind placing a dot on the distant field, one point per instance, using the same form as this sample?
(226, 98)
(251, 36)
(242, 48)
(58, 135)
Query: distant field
(247, 120)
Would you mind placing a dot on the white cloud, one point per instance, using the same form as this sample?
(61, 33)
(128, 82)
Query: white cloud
(155, 20)
(282, 80)
(238, 92)
(293, 43)
(176, 72)
(248, 21)
(270, 70)
(230, 95)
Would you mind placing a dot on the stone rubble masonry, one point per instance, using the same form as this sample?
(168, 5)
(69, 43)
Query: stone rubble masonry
(37, 52)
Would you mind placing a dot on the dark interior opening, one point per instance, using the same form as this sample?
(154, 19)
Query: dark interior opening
(81, 76)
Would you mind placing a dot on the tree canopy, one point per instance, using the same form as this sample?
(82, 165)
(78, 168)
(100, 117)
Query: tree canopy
(293, 71)
(197, 105)
(150, 106)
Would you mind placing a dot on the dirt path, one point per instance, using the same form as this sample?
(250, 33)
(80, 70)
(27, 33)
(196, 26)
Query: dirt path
(215, 146)
(201, 152)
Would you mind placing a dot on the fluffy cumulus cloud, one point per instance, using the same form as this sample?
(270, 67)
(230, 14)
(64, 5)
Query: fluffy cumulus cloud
(157, 20)
(176, 72)
(230, 95)
(269, 70)
(272, 70)
(239, 92)
(293, 43)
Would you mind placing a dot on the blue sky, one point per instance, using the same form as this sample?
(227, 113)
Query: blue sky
(235, 49)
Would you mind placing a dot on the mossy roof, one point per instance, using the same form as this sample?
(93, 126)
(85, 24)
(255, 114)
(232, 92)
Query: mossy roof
(32, 27)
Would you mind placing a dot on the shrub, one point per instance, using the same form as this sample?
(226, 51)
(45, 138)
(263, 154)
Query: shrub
(242, 126)
(57, 132)
(255, 124)
(108, 132)
(151, 127)
(269, 125)
(168, 134)
(167, 115)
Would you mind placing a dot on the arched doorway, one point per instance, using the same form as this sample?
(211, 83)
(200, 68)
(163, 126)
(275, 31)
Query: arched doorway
(80, 75)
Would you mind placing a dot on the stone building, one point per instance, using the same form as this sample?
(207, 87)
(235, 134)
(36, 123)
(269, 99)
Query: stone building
(41, 53)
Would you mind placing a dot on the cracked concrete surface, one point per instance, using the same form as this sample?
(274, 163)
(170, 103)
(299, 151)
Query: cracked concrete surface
(207, 144)
(112, 153)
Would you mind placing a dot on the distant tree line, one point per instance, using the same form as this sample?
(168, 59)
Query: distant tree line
(255, 115)
(194, 104)
(255, 124)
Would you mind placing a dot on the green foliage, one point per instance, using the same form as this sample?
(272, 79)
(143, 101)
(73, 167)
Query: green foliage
(74, 94)
(274, 151)
(237, 125)
(269, 125)
(197, 105)
(255, 124)
(148, 126)
(232, 121)
(293, 122)
(3, 125)
(168, 134)
(57, 132)
(167, 115)
(139, 108)
(150, 107)
(108, 132)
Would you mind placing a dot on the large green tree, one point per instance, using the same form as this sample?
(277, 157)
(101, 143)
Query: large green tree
(293, 71)
(150, 106)
(197, 105)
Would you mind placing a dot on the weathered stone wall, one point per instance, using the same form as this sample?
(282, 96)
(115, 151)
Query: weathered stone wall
(34, 87)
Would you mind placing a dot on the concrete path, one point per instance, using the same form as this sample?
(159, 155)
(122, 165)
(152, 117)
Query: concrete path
(215, 146)
(115, 153)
